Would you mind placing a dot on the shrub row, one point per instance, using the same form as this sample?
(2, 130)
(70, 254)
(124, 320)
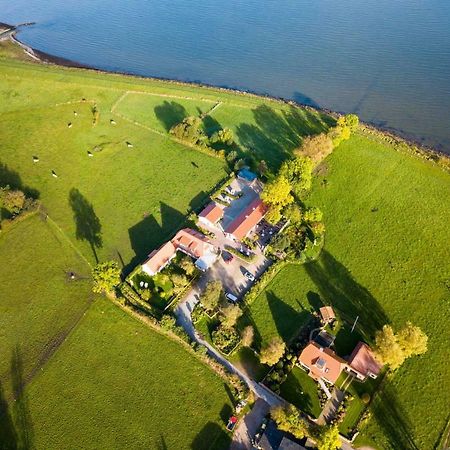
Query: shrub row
(240, 255)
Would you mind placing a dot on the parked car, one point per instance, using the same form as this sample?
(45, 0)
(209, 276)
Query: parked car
(249, 276)
(231, 297)
(227, 257)
(231, 423)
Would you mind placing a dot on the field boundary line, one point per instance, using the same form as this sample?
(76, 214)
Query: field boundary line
(60, 230)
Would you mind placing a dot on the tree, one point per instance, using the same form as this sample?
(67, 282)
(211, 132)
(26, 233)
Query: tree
(230, 315)
(232, 156)
(281, 242)
(12, 200)
(190, 130)
(212, 295)
(247, 336)
(179, 282)
(387, 349)
(187, 265)
(106, 277)
(312, 214)
(224, 136)
(329, 438)
(349, 120)
(272, 352)
(277, 192)
(298, 172)
(412, 340)
(273, 215)
(316, 147)
(294, 213)
(288, 419)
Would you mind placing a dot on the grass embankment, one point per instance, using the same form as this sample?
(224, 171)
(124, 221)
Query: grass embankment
(386, 260)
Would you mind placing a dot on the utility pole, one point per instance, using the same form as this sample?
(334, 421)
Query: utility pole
(354, 324)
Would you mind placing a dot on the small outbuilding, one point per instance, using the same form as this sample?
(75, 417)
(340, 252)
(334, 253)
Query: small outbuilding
(362, 363)
(211, 214)
(327, 314)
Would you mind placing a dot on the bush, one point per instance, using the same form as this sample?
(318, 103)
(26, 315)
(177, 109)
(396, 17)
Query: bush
(225, 339)
(167, 322)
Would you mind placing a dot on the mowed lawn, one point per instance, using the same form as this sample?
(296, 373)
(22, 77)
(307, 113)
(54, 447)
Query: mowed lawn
(386, 261)
(39, 304)
(117, 384)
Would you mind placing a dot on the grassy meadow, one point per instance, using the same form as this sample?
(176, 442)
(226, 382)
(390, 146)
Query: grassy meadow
(386, 261)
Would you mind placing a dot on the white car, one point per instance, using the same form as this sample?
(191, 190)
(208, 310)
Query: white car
(249, 276)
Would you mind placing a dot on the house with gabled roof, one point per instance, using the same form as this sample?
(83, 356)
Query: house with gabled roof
(189, 241)
(362, 363)
(211, 214)
(321, 363)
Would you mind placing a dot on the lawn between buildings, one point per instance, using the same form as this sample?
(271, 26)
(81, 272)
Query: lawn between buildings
(385, 260)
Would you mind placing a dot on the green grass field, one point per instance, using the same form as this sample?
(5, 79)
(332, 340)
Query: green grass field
(386, 260)
(110, 380)
(39, 302)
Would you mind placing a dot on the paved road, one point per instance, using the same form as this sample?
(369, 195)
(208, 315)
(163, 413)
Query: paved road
(248, 426)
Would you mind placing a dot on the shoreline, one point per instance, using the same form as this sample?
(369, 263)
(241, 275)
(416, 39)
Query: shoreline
(399, 137)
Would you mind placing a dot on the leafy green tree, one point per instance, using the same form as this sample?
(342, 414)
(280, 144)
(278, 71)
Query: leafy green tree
(168, 322)
(329, 438)
(387, 349)
(262, 167)
(11, 200)
(224, 136)
(272, 352)
(187, 265)
(273, 215)
(277, 192)
(106, 277)
(412, 340)
(190, 130)
(179, 282)
(349, 120)
(289, 419)
(280, 243)
(312, 214)
(230, 315)
(232, 156)
(294, 213)
(212, 295)
(247, 336)
(298, 172)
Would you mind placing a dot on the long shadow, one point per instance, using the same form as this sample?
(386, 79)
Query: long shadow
(304, 99)
(338, 287)
(212, 436)
(148, 234)
(293, 392)
(21, 411)
(170, 113)
(393, 418)
(88, 226)
(11, 178)
(314, 300)
(275, 135)
(8, 434)
(286, 318)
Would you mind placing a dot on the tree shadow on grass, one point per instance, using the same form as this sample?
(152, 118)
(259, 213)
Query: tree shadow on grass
(275, 134)
(287, 320)
(170, 113)
(16, 426)
(212, 436)
(393, 418)
(293, 392)
(88, 226)
(338, 287)
(147, 235)
(11, 178)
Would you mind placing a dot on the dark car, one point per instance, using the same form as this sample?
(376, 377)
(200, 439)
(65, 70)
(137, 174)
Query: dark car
(227, 257)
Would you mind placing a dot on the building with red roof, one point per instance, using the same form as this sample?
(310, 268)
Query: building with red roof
(188, 241)
(362, 362)
(321, 362)
(211, 214)
(247, 220)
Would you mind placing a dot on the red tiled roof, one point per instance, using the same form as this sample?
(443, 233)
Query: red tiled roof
(327, 313)
(362, 360)
(322, 362)
(191, 241)
(250, 217)
(213, 212)
(160, 257)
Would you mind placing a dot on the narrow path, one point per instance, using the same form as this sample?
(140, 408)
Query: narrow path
(330, 409)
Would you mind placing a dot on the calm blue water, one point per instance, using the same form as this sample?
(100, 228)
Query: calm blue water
(387, 60)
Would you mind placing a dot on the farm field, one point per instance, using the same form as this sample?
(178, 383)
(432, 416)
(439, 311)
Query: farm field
(110, 380)
(386, 260)
(39, 303)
